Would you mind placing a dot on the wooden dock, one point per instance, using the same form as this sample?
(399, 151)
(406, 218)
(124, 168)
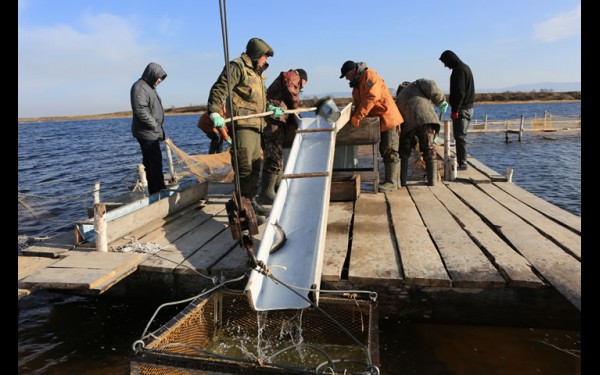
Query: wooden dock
(475, 250)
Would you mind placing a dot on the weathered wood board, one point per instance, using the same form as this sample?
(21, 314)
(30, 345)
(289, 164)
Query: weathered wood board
(562, 235)
(466, 264)
(421, 262)
(373, 259)
(559, 268)
(516, 269)
(336, 240)
(88, 272)
(556, 213)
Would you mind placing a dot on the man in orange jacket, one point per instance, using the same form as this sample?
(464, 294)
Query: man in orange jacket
(371, 97)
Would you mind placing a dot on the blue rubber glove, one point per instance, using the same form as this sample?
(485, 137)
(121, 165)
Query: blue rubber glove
(277, 112)
(218, 120)
(443, 107)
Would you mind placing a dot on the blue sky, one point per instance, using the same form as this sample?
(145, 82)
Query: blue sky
(78, 57)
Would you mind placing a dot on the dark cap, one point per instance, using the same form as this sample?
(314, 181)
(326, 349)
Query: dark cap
(257, 47)
(302, 74)
(348, 66)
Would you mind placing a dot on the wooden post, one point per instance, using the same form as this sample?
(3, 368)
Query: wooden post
(509, 174)
(170, 161)
(100, 227)
(99, 220)
(485, 124)
(447, 166)
(96, 192)
(142, 177)
(506, 137)
(521, 127)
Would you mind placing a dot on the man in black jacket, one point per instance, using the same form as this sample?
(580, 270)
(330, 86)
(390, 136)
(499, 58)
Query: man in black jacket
(147, 123)
(462, 98)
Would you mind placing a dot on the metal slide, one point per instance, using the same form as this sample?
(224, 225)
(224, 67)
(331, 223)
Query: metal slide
(300, 209)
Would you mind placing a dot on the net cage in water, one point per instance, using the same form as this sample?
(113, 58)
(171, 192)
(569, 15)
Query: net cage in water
(221, 334)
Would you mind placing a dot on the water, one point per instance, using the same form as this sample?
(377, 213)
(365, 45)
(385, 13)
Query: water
(58, 163)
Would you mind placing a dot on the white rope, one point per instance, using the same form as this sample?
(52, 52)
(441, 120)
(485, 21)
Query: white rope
(139, 247)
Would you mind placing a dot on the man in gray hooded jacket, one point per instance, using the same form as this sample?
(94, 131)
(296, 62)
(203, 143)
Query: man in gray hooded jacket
(147, 123)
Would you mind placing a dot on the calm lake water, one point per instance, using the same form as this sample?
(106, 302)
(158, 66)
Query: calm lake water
(58, 163)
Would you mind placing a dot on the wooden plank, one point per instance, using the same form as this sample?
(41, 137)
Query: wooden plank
(83, 270)
(466, 264)
(373, 258)
(516, 269)
(552, 211)
(209, 254)
(53, 247)
(168, 259)
(236, 261)
(472, 175)
(124, 225)
(421, 262)
(29, 264)
(336, 240)
(560, 269)
(489, 172)
(562, 235)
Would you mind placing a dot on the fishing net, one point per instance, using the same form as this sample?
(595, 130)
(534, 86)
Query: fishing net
(210, 167)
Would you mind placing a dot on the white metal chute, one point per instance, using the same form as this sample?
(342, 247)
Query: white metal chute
(300, 208)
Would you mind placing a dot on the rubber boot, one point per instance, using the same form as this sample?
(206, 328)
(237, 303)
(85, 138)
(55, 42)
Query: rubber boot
(392, 170)
(431, 168)
(259, 209)
(403, 171)
(267, 188)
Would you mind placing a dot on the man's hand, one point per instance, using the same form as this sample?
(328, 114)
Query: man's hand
(277, 112)
(454, 116)
(354, 121)
(217, 120)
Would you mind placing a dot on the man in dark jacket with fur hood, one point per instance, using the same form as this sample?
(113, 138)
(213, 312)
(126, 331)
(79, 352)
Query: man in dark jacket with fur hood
(462, 98)
(147, 123)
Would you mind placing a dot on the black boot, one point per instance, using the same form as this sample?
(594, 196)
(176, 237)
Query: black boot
(391, 177)
(267, 188)
(259, 209)
(403, 171)
(431, 168)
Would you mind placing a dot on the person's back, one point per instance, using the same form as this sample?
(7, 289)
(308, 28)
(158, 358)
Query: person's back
(416, 102)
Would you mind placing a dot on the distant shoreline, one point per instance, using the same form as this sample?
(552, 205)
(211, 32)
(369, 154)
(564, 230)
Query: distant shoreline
(181, 113)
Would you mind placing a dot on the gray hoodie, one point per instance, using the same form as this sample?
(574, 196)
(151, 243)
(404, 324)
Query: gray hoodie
(148, 113)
